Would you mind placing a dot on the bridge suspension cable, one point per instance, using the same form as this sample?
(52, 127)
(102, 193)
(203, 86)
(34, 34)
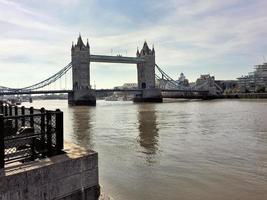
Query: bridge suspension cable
(166, 81)
(166, 76)
(43, 83)
(49, 80)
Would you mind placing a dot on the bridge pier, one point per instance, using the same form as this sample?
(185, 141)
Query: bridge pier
(149, 95)
(146, 76)
(85, 97)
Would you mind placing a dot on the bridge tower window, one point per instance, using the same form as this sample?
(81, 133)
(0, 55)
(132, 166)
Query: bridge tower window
(143, 85)
(76, 85)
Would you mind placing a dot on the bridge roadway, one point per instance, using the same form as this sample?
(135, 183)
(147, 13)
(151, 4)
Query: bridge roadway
(17, 92)
(165, 92)
(20, 92)
(116, 59)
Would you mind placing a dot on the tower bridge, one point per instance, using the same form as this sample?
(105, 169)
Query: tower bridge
(81, 59)
(81, 92)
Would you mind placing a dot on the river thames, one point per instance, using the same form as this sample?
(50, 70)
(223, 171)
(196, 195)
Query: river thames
(175, 150)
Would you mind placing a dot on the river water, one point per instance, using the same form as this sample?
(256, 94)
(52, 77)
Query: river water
(174, 150)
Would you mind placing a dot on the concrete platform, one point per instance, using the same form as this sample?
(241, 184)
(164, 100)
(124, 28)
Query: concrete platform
(70, 176)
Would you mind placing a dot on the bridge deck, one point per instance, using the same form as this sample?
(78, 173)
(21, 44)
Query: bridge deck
(66, 91)
(116, 59)
(135, 91)
(35, 92)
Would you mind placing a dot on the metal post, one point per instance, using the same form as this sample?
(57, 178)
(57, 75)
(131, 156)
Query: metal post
(2, 143)
(5, 111)
(49, 133)
(1, 108)
(10, 110)
(23, 118)
(59, 131)
(33, 139)
(16, 119)
(43, 131)
(31, 118)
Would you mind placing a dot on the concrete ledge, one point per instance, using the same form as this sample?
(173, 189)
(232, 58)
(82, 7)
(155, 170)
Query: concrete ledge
(67, 176)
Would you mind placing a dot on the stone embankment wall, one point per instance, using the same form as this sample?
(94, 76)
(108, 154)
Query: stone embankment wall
(70, 176)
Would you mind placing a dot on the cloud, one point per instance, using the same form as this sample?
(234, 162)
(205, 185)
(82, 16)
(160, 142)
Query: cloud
(193, 36)
(16, 14)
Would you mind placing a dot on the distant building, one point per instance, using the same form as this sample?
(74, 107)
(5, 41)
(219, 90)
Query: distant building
(182, 80)
(255, 81)
(227, 85)
(204, 78)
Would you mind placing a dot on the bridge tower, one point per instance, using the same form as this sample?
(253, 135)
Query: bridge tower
(82, 93)
(146, 76)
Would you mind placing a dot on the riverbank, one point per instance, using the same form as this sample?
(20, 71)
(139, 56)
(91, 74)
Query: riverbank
(71, 175)
(245, 96)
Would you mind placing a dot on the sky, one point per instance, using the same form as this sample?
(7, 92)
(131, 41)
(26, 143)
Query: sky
(222, 38)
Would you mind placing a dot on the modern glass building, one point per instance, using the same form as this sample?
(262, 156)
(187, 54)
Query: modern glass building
(255, 81)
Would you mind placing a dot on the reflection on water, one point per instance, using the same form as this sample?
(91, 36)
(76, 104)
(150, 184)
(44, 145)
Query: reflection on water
(190, 150)
(148, 131)
(82, 125)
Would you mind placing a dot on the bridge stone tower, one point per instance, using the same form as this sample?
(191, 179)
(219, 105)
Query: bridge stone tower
(82, 93)
(146, 76)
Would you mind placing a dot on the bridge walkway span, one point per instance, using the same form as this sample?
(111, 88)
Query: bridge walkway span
(116, 59)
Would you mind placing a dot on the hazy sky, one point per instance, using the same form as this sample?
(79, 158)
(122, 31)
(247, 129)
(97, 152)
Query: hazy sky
(222, 37)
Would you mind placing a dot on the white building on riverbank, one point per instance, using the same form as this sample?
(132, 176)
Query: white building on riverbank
(255, 81)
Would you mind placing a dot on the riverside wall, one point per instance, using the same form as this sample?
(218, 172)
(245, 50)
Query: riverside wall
(69, 176)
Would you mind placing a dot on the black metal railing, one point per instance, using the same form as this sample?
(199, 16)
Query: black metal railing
(29, 134)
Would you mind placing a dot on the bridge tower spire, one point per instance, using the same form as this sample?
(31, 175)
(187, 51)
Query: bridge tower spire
(146, 76)
(82, 93)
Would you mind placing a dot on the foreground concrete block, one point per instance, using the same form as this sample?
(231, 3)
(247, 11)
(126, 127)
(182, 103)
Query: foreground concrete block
(70, 176)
